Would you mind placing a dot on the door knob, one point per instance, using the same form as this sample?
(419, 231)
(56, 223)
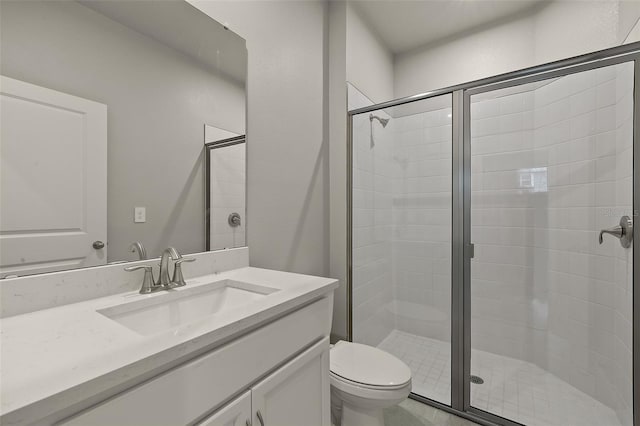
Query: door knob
(98, 245)
(624, 232)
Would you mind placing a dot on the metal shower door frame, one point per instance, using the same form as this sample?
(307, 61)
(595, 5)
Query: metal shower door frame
(208, 147)
(461, 214)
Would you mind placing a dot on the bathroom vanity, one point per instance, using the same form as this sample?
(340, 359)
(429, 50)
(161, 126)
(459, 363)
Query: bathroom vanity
(233, 347)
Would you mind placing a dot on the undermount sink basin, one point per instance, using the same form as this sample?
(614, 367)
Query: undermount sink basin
(179, 307)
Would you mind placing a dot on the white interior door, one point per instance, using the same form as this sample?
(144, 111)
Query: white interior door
(53, 180)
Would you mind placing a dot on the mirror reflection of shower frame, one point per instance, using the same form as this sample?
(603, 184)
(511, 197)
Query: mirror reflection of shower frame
(461, 246)
(208, 148)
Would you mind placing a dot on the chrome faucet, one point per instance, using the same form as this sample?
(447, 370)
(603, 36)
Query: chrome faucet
(163, 279)
(148, 285)
(164, 282)
(178, 279)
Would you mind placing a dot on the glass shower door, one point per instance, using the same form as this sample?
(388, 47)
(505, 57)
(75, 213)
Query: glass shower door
(401, 237)
(551, 305)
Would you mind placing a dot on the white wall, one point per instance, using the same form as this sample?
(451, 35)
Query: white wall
(338, 162)
(634, 34)
(629, 15)
(358, 57)
(555, 30)
(287, 152)
(213, 134)
(491, 51)
(369, 62)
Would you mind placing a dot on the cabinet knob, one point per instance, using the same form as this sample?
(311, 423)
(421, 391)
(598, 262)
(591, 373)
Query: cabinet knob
(259, 415)
(98, 245)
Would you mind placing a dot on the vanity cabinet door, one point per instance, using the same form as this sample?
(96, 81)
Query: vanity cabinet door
(297, 393)
(236, 413)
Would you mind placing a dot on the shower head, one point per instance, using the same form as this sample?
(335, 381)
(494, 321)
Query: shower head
(383, 121)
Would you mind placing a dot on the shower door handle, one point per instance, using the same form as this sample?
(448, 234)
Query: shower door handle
(624, 232)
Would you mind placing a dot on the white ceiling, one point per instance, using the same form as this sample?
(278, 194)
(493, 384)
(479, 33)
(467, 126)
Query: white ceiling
(407, 24)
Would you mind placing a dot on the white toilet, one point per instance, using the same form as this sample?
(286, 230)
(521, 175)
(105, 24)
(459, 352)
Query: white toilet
(364, 381)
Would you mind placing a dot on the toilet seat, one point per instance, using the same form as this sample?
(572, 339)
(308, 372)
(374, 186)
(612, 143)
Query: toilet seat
(363, 366)
(347, 382)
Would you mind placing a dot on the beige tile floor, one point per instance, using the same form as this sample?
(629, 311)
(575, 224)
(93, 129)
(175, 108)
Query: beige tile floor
(414, 413)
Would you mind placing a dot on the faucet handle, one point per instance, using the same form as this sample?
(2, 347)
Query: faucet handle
(178, 279)
(623, 231)
(148, 283)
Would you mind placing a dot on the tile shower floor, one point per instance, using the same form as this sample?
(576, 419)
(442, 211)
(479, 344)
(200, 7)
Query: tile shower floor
(514, 389)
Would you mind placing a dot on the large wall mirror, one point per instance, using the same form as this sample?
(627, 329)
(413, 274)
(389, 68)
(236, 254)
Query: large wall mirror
(103, 105)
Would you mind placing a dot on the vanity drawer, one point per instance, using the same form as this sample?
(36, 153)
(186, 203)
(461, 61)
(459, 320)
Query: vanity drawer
(187, 392)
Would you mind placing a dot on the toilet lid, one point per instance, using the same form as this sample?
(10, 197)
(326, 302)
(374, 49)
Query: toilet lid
(368, 365)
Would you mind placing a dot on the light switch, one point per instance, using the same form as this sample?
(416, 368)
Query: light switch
(139, 214)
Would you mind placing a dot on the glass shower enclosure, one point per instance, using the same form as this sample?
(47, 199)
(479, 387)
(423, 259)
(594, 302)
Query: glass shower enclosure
(491, 241)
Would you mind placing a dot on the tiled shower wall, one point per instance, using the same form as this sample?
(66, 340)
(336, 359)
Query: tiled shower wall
(503, 207)
(401, 223)
(551, 166)
(422, 222)
(372, 225)
(590, 187)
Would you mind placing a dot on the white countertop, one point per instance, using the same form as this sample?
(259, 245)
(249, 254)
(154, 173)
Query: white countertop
(56, 357)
